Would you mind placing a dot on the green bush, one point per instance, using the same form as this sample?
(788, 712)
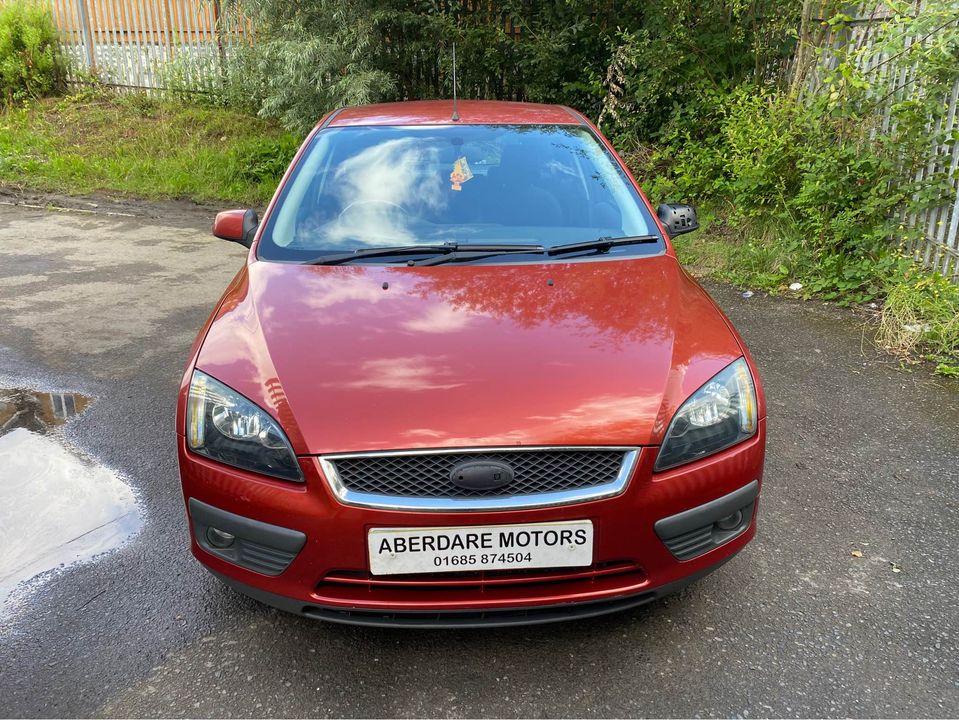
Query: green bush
(232, 81)
(263, 160)
(812, 188)
(31, 64)
(628, 61)
(763, 138)
(766, 155)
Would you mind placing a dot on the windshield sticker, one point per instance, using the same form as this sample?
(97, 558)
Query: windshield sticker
(461, 173)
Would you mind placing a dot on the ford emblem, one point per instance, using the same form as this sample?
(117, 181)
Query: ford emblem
(481, 475)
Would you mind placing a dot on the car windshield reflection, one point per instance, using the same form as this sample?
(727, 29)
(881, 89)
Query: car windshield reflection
(365, 187)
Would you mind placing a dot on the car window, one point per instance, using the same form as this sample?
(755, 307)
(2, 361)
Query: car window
(361, 187)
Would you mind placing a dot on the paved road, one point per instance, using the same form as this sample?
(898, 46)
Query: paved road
(862, 455)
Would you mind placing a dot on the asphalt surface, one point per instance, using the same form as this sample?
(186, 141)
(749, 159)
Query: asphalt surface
(862, 456)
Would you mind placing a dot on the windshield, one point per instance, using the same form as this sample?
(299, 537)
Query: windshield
(365, 187)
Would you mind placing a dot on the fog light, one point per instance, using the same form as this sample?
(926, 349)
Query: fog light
(219, 538)
(730, 522)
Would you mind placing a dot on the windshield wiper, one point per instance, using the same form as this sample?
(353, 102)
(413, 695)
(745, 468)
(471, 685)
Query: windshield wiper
(456, 252)
(478, 251)
(345, 257)
(603, 244)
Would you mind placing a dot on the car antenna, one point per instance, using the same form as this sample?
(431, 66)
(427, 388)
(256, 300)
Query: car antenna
(456, 116)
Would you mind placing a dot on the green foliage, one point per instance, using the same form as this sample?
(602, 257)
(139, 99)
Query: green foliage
(315, 56)
(683, 54)
(921, 314)
(31, 64)
(263, 160)
(768, 155)
(597, 57)
(812, 189)
(134, 144)
(231, 80)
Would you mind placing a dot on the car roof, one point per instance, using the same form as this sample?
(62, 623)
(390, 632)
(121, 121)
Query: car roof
(440, 112)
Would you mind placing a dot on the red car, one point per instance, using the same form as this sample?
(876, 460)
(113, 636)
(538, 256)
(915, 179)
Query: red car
(463, 380)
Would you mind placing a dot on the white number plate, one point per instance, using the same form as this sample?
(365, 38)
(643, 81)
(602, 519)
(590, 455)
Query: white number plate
(395, 551)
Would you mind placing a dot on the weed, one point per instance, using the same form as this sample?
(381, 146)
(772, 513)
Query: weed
(31, 64)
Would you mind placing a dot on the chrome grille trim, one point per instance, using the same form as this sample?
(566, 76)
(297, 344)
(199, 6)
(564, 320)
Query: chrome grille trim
(457, 504)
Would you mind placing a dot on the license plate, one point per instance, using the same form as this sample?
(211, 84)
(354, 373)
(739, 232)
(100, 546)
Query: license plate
(397, 551)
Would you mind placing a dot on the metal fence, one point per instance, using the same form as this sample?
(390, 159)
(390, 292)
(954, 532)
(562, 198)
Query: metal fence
(145, 43)
(938, 249)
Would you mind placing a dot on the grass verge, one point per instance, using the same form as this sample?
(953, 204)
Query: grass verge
(135, 145)
(918, 311)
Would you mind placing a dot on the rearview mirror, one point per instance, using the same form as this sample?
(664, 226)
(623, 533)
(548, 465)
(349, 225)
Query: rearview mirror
(237, 226)
(677, 218)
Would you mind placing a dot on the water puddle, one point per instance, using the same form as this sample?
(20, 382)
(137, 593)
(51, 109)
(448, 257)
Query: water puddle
(38, 411)
(56, 506)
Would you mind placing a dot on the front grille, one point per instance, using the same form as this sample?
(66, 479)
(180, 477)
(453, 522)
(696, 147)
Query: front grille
(428, 475)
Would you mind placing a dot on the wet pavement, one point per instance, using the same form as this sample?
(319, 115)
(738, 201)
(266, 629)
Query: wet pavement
(847, 602)
(57, 508)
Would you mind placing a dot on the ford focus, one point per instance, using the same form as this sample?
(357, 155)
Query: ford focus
(461, 379)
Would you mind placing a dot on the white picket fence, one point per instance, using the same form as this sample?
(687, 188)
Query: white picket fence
(140, 43)
(938, 249)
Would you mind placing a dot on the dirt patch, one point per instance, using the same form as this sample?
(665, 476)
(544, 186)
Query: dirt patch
(173, 213)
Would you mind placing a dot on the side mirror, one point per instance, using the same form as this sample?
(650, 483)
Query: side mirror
(237, 226)
(677, 218)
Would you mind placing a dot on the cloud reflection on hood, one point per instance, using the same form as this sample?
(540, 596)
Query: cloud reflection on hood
(407, 374)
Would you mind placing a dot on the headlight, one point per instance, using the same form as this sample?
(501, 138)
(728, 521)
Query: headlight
(721, 413)
(225, 426)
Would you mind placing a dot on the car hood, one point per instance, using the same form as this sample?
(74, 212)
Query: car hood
(357, 358)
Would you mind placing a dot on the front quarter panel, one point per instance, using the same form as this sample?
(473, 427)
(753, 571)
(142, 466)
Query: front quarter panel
(237, 281)
(753, 368)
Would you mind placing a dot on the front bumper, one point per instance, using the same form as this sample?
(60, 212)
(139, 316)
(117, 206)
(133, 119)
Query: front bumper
(652, 539)
(497, 617)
